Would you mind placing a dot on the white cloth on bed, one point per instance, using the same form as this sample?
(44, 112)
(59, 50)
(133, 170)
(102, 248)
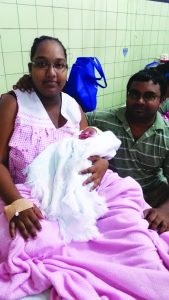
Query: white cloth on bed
(55, 180)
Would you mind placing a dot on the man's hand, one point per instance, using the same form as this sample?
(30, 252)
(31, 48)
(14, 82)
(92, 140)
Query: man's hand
(24, 84)
(158, 219)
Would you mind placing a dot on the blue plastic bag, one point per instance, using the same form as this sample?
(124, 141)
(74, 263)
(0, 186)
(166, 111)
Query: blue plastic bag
(153, 64)
(83, 82)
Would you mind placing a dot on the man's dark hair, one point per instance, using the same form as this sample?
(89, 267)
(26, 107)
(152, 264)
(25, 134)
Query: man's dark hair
(147, 75)
(164, 69)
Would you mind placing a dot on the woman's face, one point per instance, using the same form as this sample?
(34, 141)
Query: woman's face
(48, 68)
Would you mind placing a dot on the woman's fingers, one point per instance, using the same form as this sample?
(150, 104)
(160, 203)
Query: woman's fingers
(27, 223)
(12, 229)
(92, 179)
(96, 183)
(36, 223)
(38, 212)
(20, 226)
(16, 223)
(86, 171)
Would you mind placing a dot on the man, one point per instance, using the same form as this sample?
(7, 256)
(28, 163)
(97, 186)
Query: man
(144, 151)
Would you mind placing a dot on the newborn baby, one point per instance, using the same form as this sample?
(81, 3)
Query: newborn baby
(55, 180)
(89, 132)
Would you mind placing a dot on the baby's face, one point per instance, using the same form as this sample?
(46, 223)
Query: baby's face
(86, 133)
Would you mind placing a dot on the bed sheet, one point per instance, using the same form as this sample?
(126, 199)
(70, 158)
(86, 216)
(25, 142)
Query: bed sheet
(43, 296)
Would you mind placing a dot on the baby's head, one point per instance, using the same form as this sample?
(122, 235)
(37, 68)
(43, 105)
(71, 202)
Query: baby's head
(88, 132)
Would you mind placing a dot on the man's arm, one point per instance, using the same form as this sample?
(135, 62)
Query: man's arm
(90, 119)
(158, 218)
(102, 119)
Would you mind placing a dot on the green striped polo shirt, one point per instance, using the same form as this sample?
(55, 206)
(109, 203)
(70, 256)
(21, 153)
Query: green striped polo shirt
(146, 159)
(164, 107)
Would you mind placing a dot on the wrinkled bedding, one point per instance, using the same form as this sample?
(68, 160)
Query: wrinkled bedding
(127, 261)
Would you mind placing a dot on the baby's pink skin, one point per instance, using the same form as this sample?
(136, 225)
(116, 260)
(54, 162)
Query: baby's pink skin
(86, 133)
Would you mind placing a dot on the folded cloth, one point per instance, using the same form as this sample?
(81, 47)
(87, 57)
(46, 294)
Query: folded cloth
(55, 180)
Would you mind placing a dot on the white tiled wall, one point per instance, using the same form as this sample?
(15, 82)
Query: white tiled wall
(99, 28)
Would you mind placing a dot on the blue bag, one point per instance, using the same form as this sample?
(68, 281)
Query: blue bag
(153, 64)
(83, 84)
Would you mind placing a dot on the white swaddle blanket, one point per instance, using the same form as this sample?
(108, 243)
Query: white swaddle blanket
(55, 180)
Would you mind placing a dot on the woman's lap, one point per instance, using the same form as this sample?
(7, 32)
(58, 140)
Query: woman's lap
(124, 243)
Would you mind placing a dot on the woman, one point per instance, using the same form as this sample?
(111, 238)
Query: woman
(48, 69)
(124, 262)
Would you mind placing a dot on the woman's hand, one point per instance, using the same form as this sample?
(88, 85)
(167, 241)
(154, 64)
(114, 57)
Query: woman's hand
(24, 84)
(98, 169)
(27, 222)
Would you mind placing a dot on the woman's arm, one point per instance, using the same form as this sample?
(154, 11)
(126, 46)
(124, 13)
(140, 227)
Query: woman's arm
(99, 165)
(27, 222)
(8, 111)
(83, 122)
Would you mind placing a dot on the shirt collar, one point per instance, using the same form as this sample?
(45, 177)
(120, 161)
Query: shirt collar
(158, 123)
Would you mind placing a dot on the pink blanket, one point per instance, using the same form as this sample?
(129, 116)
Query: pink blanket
(127, 261)
(166, 116)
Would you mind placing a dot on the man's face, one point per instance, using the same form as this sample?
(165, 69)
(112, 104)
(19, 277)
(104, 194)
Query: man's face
(143, 101)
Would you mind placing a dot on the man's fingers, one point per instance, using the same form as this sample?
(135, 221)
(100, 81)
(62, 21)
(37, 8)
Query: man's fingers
(157, 220)
(146, 212)
(159, 224)
(162, 227)
(151, 215)
(155, 223)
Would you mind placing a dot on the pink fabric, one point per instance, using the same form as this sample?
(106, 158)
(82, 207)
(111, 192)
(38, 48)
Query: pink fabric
(27, 142)
(127, 261)
(34, 131)
(166, 116)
